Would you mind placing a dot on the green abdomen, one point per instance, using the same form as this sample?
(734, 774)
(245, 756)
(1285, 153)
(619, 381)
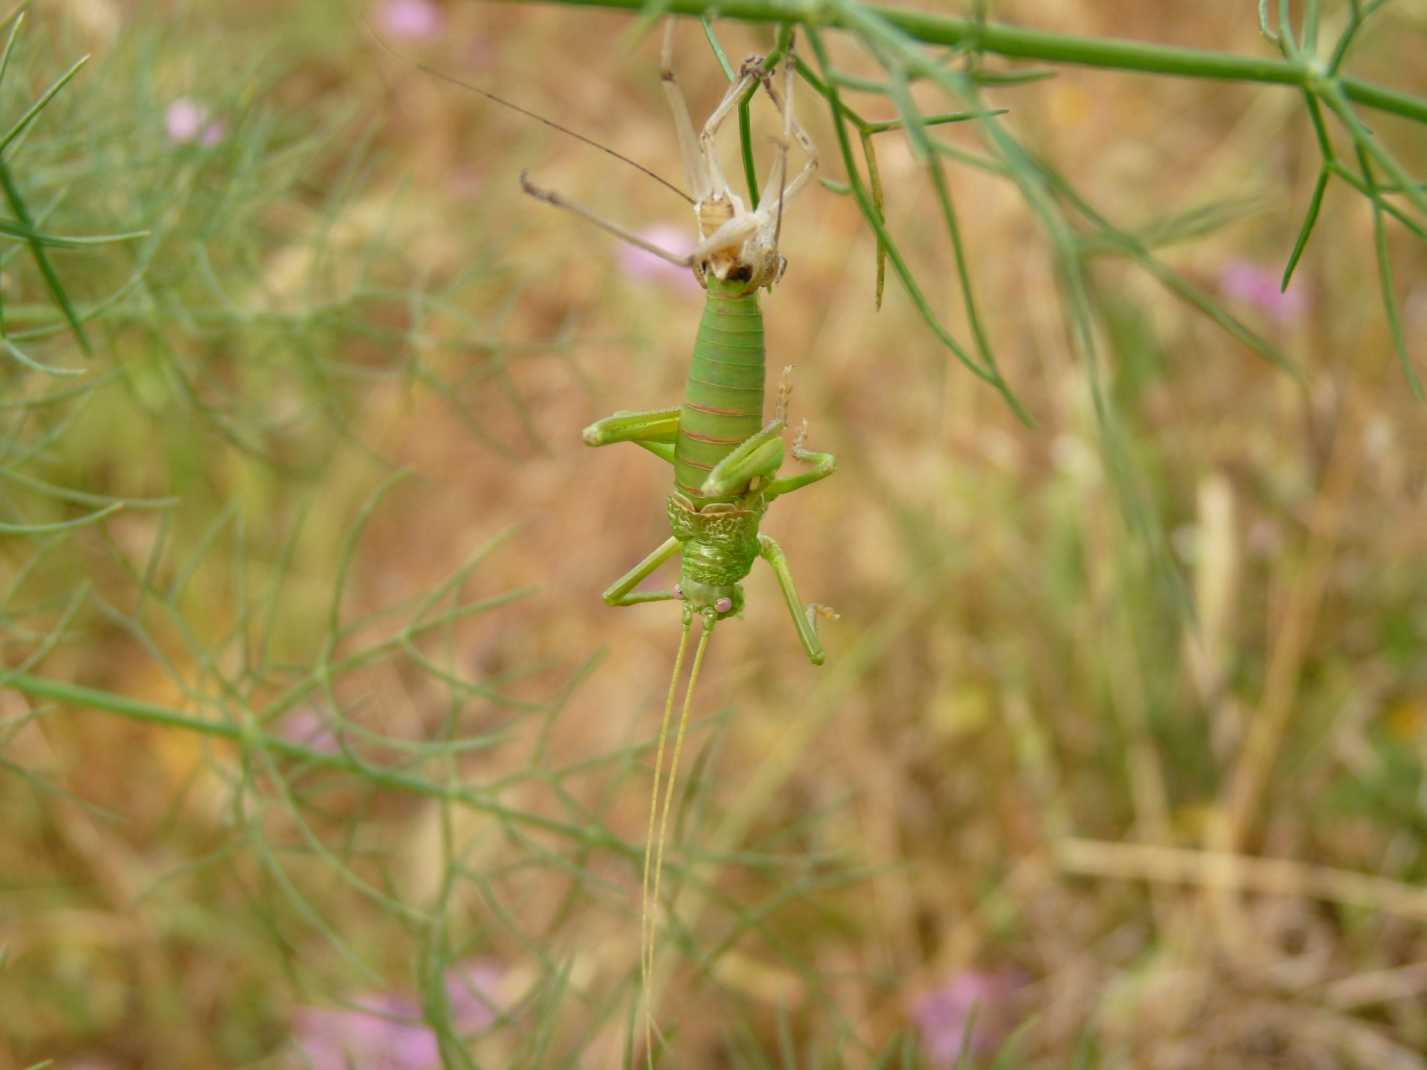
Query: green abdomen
(723, 404)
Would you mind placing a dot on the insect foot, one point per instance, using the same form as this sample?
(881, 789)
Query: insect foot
(752, 67)
(785, 394)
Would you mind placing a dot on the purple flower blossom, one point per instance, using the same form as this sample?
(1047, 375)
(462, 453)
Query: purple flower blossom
(187, 121)
(184, 120)
(412, 20)
(638, 264)
(970, 1009)
(386, 1031)
(1258, 286)
(310, 727)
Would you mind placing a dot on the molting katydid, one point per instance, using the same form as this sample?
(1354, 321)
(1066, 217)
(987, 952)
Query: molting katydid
(725, 458)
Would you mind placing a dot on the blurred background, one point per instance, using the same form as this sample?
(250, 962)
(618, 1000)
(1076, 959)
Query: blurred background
(1117, 759)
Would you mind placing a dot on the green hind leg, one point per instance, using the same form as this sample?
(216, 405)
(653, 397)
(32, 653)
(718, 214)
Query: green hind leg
(805, 618)
(621, 592)
(654, 430)
(759, 454)
(823, 465)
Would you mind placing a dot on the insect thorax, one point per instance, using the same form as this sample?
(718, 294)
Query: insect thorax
(720, 543)
(753, 261)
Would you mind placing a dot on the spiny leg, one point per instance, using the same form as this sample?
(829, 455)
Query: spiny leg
(804, 618)
(652, 902)
(622, 233)
(770, 207)
(759, 454)
(824, 465)
(619, 592)
(791, 129)
(695, 169)
(750, 74)
(655, 430)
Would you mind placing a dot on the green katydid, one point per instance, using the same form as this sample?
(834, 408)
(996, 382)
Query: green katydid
(725, 458)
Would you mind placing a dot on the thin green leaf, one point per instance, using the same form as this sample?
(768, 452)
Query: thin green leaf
(23, 358)
(1363, 138)
(38, 106)
(13, 229)
(1002, 79)
(1264, 27)
(874, 180)
(1314, 204)
(1387, 206)
(869, 212)
(7, 528)
(935, 120)
(719, 53)
(1385, 280)
(19, 18)
(1310, 26)
(1359, 16)
(42, 260)
(745, 149)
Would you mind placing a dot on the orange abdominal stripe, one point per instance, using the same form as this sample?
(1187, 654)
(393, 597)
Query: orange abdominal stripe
(712, 440)
(718, 412)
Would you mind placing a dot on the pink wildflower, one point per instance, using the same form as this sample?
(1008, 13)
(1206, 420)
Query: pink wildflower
(970, 1010)
(187, 121)
(387, 1032)
(184, 120)
(638, 264)
(311, 728)
(1258, 286)
(412, 20)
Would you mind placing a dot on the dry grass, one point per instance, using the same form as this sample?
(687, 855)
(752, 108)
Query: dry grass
(1196, 841)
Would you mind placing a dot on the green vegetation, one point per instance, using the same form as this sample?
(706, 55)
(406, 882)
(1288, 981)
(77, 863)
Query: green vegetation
(313, 725)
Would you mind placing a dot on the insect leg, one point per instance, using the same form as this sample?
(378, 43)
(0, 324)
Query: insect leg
(804, 618)
(751, 73)
(777, 192)
(695, 167)
(759, 454)
(729, 235)
(824, 464)
(654, 430)
(622, 233)
(621, 592)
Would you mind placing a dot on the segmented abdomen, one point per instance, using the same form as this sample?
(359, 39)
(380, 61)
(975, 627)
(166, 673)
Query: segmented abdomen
(723, 403)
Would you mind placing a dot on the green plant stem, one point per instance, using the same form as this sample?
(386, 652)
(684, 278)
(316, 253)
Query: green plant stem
(135, 710)
(1020, 43)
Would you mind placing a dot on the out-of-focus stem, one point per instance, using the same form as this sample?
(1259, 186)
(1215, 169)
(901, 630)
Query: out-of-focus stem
(1020, 43)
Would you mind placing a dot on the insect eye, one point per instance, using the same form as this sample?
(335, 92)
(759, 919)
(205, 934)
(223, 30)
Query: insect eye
(678, 591)
(723, 605)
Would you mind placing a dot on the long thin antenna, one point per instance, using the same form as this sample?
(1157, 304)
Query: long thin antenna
(436, 72)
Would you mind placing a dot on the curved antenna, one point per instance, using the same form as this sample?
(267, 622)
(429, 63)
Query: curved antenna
(436, 72)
